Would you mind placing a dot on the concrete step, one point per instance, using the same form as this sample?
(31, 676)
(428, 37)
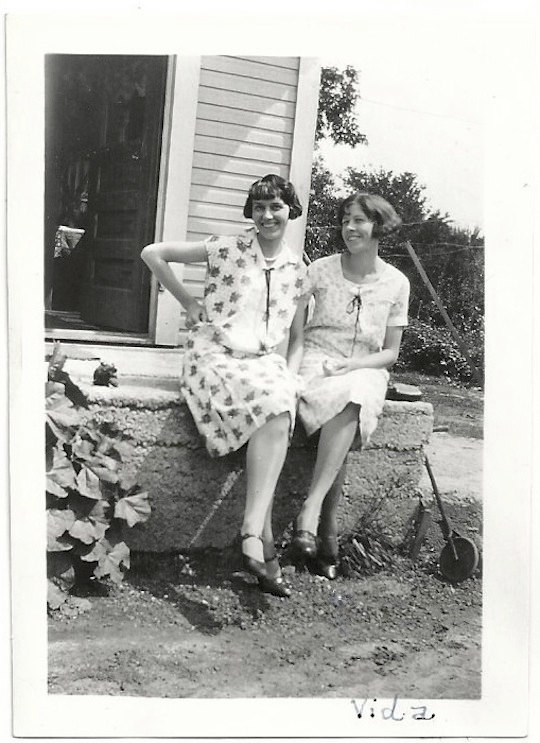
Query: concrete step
(189, 489)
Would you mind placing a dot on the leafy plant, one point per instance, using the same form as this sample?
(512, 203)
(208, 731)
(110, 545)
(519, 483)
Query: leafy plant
(430, 349)
(90, 500)
(336, 118)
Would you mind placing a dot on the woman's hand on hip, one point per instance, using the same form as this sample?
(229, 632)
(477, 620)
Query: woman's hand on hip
(195, 314)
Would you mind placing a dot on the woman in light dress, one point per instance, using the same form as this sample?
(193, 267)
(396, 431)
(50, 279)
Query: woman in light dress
(352, 339)
(239, 388)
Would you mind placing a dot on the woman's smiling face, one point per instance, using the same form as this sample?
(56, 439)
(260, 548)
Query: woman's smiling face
(270, 217)
(356, 229)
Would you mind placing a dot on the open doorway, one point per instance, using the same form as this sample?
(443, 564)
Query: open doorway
(103, 128)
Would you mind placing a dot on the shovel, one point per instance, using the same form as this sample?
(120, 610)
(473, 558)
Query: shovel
(459, 557)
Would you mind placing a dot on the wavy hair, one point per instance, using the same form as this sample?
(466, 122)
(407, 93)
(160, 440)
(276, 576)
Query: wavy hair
(377, 210)
(269, 187)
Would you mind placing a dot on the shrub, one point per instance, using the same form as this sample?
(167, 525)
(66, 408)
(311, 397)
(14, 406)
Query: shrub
(89, 500)
(430, 349)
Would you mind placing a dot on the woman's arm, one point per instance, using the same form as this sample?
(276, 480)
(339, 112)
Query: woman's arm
(383, 359)
(158, 256)
(296, 339)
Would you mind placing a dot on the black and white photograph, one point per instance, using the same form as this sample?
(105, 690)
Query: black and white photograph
(264, 273)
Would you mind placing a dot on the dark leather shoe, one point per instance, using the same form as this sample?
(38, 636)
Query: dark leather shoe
(275, 586)
(250, 564)
(330, 571)
(304, 543)
(327, 560)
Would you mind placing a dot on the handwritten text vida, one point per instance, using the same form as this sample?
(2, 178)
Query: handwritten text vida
(394, 710)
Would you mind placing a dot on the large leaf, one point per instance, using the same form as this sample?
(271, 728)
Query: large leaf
(84, 530)
(92, 527)
(61, 416)
(110, 563)
(55, 596)
(60, 473)
(105, 460)
(103, 473)
(104, 467)
(82, 448)
(123, 448)
(88, 484)
(133, 508)
(52, 387)
(58, 522)
(128, 483)
(59, 544)
(72, 392)
(58, 563)
(92, 553)
(88, 452)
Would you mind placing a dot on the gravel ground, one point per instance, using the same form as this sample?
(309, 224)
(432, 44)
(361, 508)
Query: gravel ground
(198, 628)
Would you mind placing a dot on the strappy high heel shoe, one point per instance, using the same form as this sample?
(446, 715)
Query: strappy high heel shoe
(327, 560)
(304, 544)
(250, 564)
(275, 586)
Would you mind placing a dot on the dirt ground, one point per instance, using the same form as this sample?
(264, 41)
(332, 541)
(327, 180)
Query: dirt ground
(195, 628)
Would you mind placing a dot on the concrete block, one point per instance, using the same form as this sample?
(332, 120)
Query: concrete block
(187, 486)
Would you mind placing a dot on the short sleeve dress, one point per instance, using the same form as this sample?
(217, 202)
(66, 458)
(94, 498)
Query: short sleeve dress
(349, 321)
(234, 379)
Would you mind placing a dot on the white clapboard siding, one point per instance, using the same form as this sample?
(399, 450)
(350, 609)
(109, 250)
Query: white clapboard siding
(249, 85)
(219, 196)
(239, 166)
(220, 146)
(287, 62)
(249, 68)
(244, 130)
(207, 227)
(194, 272)
(236, 132)
(202, 210)
(247, 102)
(225, 181)
(249, 119)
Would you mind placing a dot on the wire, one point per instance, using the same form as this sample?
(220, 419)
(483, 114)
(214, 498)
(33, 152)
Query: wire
(417, 111)
(425, 257)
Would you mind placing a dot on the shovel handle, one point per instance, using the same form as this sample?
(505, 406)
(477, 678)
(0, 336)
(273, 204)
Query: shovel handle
(446, 525)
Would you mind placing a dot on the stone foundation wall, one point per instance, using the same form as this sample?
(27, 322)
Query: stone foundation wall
(170, 462)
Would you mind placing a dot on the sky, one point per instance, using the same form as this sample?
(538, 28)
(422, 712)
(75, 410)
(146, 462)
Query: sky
(422, 109)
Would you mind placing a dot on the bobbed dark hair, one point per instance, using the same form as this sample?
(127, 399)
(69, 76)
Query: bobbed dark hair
(270, 187)
(377, 210)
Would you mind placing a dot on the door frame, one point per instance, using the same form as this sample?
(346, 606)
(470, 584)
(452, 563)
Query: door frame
(173, 187)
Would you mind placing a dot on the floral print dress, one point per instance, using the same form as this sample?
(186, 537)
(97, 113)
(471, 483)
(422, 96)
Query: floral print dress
(349, 321)
(234, 380)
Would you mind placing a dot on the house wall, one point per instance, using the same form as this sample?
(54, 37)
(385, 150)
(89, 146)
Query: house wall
(254, 115)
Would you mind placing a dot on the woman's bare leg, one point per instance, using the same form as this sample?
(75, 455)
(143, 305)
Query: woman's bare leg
(265, 457)
(328, 525)
(335, 441)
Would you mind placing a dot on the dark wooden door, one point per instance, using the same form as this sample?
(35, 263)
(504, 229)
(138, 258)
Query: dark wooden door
(122, 191)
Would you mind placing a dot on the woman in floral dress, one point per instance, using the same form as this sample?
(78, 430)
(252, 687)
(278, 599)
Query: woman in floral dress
(353, 337)
(239, 388)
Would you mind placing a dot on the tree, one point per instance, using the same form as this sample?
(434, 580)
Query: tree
(336, 120)
(323, 205)
(402, 191)
(338, 94)
(452, 257)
